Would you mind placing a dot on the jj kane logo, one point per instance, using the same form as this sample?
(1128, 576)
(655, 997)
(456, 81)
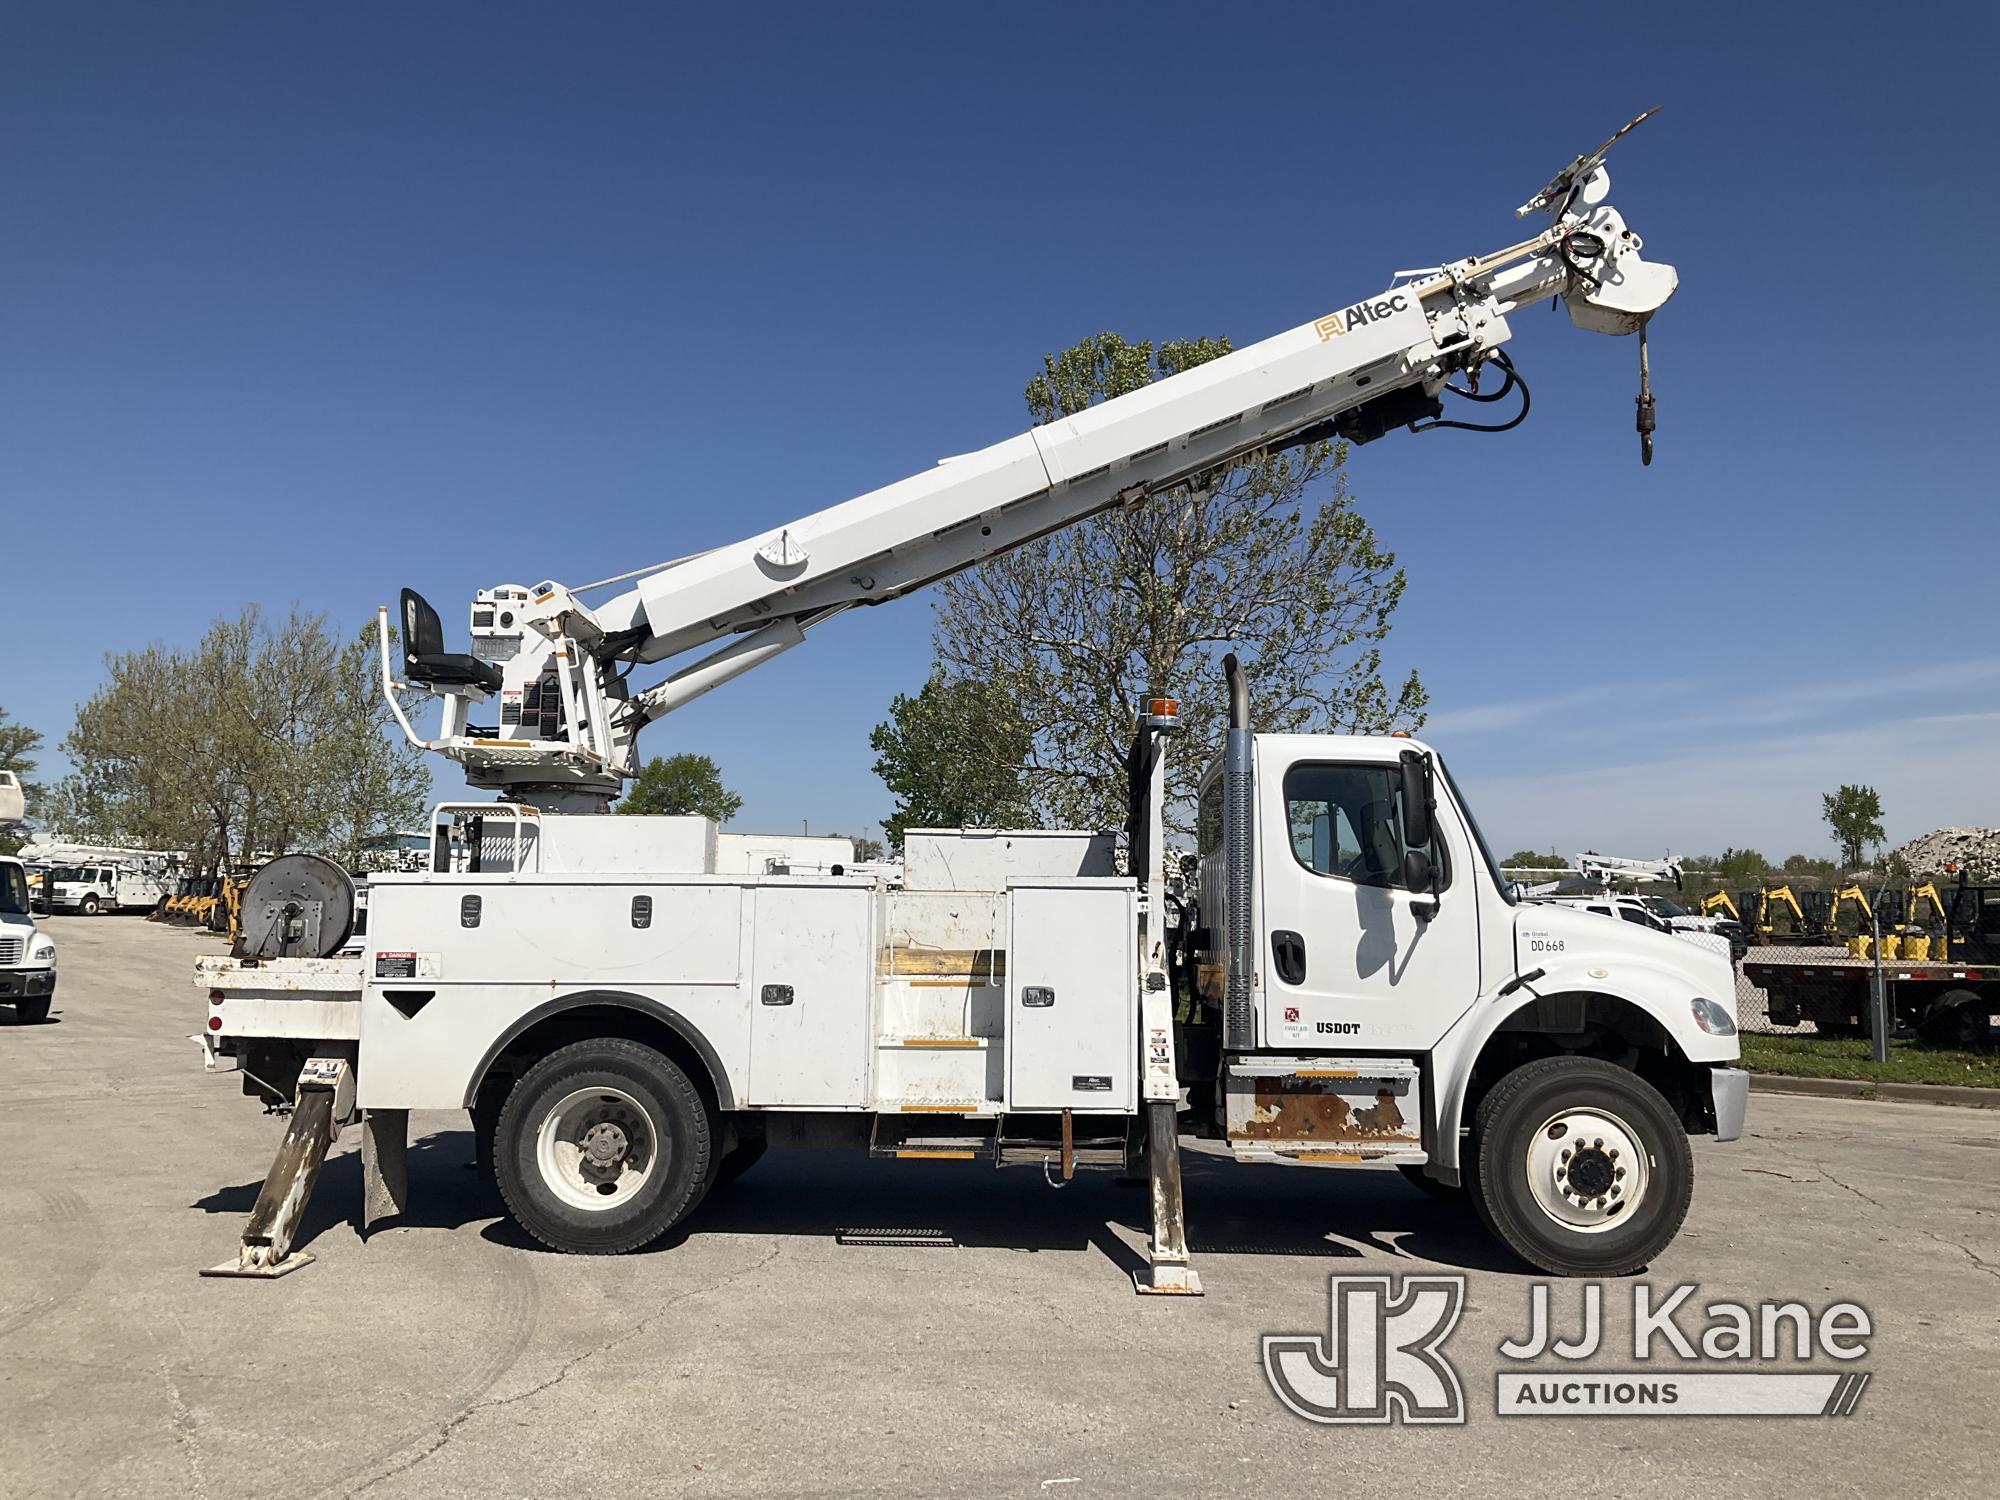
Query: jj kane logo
(1380, 1361)
(1382, 1357)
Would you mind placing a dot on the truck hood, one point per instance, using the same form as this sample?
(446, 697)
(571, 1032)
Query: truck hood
(11, 919)
(1583, 950)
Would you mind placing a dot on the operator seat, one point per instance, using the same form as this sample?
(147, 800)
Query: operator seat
(424, 658)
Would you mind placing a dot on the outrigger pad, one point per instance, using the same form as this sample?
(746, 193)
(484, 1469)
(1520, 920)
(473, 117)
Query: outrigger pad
(1167, 1281)
(285, 1267)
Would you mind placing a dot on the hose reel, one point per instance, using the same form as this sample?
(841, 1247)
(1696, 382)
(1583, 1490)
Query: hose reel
(297, 906)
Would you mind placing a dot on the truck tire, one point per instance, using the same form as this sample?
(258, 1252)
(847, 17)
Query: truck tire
(31, 1012)
(1957, 1019)
(1583, 1169)
(89, 906)
(602, 1147)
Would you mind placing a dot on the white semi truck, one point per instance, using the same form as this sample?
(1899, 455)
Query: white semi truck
(628, 1023)
(27, 954)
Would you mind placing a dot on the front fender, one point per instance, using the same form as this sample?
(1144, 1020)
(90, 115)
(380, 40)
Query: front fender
(1658, 992)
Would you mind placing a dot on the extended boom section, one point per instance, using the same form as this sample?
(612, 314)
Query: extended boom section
(563, 724)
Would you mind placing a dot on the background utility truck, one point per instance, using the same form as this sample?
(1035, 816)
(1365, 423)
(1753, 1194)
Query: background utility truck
(92, 889)
(629, 1024)
(27, 954)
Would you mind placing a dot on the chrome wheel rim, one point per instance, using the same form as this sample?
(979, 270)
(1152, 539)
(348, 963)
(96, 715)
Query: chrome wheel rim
(596, 1149)
(1587, 1170)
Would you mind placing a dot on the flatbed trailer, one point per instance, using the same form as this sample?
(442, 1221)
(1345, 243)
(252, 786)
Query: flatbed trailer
(1947, 1002)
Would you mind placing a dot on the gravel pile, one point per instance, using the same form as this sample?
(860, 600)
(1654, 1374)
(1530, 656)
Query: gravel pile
(1974, 848)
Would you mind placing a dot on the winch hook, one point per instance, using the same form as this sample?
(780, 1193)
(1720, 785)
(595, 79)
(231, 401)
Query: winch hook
(1647, 419)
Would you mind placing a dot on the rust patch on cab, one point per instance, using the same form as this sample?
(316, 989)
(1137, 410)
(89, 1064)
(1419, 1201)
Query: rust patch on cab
(1313, 1111)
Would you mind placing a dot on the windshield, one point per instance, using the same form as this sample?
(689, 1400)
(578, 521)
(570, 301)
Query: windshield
(1664, 907)
(13, 891)
(69, 873)
(1485, 849)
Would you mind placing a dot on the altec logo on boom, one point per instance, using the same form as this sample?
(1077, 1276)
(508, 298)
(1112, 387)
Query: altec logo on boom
(1333, 325)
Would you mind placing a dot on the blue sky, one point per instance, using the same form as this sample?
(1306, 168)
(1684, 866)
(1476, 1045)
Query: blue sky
(309, 302)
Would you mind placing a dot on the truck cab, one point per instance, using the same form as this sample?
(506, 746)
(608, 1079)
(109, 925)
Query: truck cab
(27, 954)
(1355, 937)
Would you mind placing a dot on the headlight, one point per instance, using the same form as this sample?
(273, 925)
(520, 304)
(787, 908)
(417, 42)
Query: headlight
(1712, 1018)
(42, 951)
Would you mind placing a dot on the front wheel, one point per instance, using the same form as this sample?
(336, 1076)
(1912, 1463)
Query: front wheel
(32, 1012)
(90, 906)
(602, 1147)
(1583, 1168)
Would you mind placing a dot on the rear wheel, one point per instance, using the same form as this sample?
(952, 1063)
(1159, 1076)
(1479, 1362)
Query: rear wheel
(602, 1147)
(1583, 1168)
(1958, 1019)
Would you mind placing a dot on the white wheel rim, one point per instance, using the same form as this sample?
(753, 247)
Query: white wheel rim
(1587, 1170)
(596, 1149)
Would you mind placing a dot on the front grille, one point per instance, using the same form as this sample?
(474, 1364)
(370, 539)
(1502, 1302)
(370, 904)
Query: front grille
(10, 950)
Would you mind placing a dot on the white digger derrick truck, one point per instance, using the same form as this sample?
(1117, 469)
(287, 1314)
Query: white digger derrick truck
(628, 1025)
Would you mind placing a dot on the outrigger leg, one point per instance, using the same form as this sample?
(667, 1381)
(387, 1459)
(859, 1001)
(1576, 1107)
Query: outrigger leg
(324, 1102)
(1166, 1272)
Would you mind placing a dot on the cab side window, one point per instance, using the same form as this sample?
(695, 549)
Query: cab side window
(1346, 821)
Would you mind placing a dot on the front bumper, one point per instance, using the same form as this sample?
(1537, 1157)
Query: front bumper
(1729, 1089)
(26, 984)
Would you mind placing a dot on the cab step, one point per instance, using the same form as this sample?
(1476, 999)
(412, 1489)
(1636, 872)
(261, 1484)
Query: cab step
(1323, 1111)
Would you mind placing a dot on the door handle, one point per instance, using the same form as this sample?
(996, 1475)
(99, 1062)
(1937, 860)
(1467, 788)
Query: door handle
(776, 994)
(1288, 955)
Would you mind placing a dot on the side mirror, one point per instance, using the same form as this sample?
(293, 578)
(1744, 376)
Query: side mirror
(1416, 771)
(1418, 876)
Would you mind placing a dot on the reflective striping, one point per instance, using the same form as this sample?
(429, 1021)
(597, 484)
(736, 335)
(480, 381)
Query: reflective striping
(935, 1155)
(942, 1041)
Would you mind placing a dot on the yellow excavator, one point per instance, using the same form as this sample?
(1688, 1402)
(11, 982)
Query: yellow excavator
(1850, 895)
(1771, 897)
(1718, 901)
(1915, 928)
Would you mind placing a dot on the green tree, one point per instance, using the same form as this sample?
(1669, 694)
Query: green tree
(866, 849)
(1268, 558)
(18, 745)
(1527, 859)
(1803, 867)
(1854, 813)
(952, 757)
(680, 785)
(1742, 867)
(261, 739)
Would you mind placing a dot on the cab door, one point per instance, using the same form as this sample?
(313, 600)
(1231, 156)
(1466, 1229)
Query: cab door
(1353, 959)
